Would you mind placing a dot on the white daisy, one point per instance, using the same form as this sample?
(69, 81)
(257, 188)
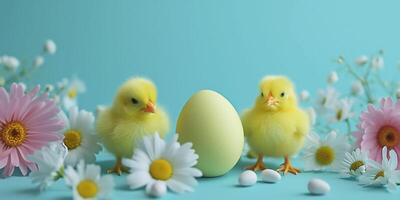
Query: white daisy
(361, 60)
(327, 100)
(342, 110)
(87, 183)
(322, 154)
(156, 161)
(354, 163)
(11, 63)
(384, 174)
(50, 47)
(332, 77)
(312, 115)
(79, 137)
(70, 95)
(49, 160)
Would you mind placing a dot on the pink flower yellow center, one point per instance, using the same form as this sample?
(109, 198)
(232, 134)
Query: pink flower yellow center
(13, 134)
(161, 169)
(72, 139)
(87, 189)
(325, 155)
(388, 136)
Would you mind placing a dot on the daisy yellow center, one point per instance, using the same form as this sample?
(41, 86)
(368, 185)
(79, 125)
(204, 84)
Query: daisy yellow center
(325, 155)
(379, 174)
(87, 188)
(339, 114)
(161, 169)
(388, 136)
(355, 165)
(72, 93)
(13, 134)
(72, 139)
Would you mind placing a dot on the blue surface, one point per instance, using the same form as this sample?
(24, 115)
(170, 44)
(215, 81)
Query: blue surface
(188, 45)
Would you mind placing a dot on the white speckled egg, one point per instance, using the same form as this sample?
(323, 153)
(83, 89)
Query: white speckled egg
(318, 187)
(211, 123)
(247, 178)
(270, 176)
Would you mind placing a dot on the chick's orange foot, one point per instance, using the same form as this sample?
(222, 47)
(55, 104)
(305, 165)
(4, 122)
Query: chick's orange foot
(259, 164)
(287, 167)
(118, 168)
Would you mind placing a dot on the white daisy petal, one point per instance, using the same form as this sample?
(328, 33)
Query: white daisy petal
(138, 179)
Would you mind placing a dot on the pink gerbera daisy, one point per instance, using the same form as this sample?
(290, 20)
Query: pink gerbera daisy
(27, 123)
(379, 127)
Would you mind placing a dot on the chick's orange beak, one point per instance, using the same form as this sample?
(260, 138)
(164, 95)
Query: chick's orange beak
(270, 99)
(150, 107)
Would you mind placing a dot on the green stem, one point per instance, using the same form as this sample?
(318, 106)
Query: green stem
(59, 174)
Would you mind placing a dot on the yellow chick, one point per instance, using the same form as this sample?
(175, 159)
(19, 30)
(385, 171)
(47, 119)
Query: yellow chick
(132, 115)
(275, 126)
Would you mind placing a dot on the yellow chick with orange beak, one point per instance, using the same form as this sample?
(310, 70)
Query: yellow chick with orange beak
(133, 114)
(275, 126)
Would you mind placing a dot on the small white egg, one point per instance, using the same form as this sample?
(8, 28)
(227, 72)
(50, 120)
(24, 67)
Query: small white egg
(158, 189)
(270, 176)
(318, 187)
(247, 178)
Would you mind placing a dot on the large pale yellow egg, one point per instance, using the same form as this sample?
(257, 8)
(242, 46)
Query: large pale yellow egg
(212, 124)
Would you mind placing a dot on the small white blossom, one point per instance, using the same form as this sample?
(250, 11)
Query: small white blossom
(361, 60)
(333, 77)
(49, 88)
(10, 62)
(304, 95)
(357, 88)
(39, 61)
(50, 47)
(377, 62)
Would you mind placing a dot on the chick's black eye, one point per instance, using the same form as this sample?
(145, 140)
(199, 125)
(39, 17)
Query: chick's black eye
(262, 94)
(282, 94)
(134, 101)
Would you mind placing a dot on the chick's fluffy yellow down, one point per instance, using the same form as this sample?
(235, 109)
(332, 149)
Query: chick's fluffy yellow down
(120, 135)
(276, 134)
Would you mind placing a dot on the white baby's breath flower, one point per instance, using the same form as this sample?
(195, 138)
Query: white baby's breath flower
(354, 163)
(324, 154)
(87, 183)
(377, 62)
(332, 77)
(50, 47)
(327, 100)
(361, 60)
(49, 160)
(11, 63)
(384, 174)
(340, 60)
(357, 88)
(79, 137)
(158, 162)
(39, 61)
(48, 88)
(342, 110)
(304, 95)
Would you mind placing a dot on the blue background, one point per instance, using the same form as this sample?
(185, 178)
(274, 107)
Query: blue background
(188, 45)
